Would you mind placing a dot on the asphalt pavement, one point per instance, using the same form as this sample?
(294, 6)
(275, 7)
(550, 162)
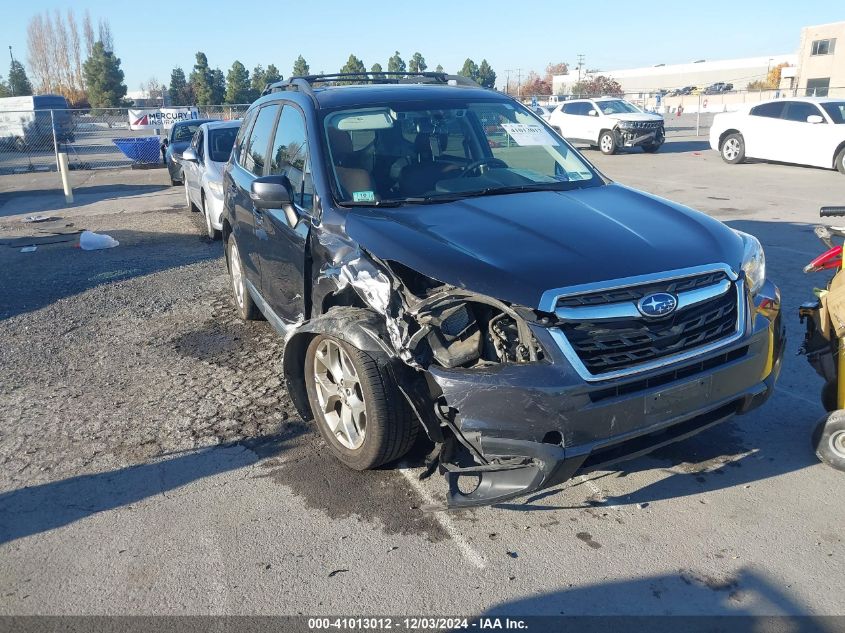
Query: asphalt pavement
(151, 462)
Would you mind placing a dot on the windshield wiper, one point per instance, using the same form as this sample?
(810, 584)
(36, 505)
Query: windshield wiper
(494, 191)
(399, 203)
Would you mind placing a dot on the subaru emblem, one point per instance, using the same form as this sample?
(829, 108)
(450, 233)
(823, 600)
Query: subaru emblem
(658, 304)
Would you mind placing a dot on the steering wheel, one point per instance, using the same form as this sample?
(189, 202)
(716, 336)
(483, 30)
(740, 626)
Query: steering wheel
(477, 164)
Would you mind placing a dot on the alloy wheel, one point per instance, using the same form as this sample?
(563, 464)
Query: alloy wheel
(837, 443)
(606, 143)
(730, 150)
(339, 394)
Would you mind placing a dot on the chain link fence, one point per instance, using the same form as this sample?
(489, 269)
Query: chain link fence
(93, 139)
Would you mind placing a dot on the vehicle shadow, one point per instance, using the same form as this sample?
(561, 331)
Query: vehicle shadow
(40, 200)
(734, 601)
(36, 509)
(679, 147)
(34, 280)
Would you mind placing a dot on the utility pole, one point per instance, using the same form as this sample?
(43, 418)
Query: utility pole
(12, 57)
(580, 66)
(518, 82)
(508, 81)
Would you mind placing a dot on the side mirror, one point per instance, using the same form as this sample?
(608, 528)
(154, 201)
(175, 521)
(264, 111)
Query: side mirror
(592, 113)
(270, 192)
(190, 155)
(815, 118)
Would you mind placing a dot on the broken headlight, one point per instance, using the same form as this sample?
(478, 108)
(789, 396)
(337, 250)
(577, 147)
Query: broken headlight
(753, 262)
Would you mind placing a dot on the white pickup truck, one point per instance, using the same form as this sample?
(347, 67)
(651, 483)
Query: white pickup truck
(608, 123)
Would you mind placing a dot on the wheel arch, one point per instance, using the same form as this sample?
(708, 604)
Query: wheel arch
(840, 148)
(359, 327)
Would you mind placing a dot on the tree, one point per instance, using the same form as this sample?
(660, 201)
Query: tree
(377, 71)
(237, 84)
(104, 78)
(353, 65)
(200, 80)
(300, 67)
(396, 64)
(55, 53)
(4, 88)
(486, 75)
(154, 89)
(469, 69)
(218, 87)
(258, 81)
(19, 84)
(272, 75)
(597, 86)
(534, 85)
(561, 68)
(179, 91)
(417, 63)
(772, 80)
(439, 69)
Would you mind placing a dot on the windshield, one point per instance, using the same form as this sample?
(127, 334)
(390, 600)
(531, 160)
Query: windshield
(184, 133)
(835, 110)
(220, 143)
(617, 106)
(420, 153)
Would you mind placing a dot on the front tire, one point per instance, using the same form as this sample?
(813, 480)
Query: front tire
(244, 304)
(607, 143)
(359, 410)
(733, 149)
(840, 161)
(829, 440)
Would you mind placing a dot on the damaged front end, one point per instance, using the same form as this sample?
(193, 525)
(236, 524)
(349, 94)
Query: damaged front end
(491, 385)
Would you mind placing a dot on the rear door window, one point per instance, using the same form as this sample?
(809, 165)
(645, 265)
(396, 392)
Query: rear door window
(772, 110)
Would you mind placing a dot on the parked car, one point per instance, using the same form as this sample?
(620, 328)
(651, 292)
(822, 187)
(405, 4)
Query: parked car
(28, 123)
(718, 88)
(609, 123)
(202, 169)
(800, 130)
(680, 92)
(533, 318)
(176, 141)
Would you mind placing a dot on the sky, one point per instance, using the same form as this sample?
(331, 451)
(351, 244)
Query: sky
(152, 37)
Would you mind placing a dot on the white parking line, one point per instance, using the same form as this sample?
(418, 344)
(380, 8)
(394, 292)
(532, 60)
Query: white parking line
(467, 550)
(797, 396)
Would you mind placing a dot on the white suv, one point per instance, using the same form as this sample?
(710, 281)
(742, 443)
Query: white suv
(608, 123)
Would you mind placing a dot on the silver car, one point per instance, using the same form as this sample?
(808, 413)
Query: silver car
(202, 165)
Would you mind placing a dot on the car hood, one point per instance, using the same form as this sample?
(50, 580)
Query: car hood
(636, 116)
(178, 147)
(515, 247)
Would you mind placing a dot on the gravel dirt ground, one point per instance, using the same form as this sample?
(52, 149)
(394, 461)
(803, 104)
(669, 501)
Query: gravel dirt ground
(151, 461)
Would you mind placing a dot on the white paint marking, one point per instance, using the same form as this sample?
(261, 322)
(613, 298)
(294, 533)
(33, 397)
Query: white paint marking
(467, 550)
(797, 396)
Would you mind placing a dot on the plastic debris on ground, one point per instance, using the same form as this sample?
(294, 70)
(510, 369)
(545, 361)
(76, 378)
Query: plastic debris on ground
(90, 241)
(28, 249)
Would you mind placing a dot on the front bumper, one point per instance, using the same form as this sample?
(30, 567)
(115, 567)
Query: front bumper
(634, 137)
(539, 424)
(214, 208)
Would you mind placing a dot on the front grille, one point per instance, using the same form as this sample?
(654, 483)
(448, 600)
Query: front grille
(635, 293)
(608, 345)
(643, 125)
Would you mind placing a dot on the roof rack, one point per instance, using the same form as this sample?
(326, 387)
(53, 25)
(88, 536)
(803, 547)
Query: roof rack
(305, 83)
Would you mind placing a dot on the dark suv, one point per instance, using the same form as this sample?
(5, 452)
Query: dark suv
(438, 259)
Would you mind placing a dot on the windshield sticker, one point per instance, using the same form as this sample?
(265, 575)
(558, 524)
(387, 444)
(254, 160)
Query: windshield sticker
(528, 134)
(363, 196)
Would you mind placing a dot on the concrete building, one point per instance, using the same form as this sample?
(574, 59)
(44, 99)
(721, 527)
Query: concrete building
(821, 60)
(701, 74)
